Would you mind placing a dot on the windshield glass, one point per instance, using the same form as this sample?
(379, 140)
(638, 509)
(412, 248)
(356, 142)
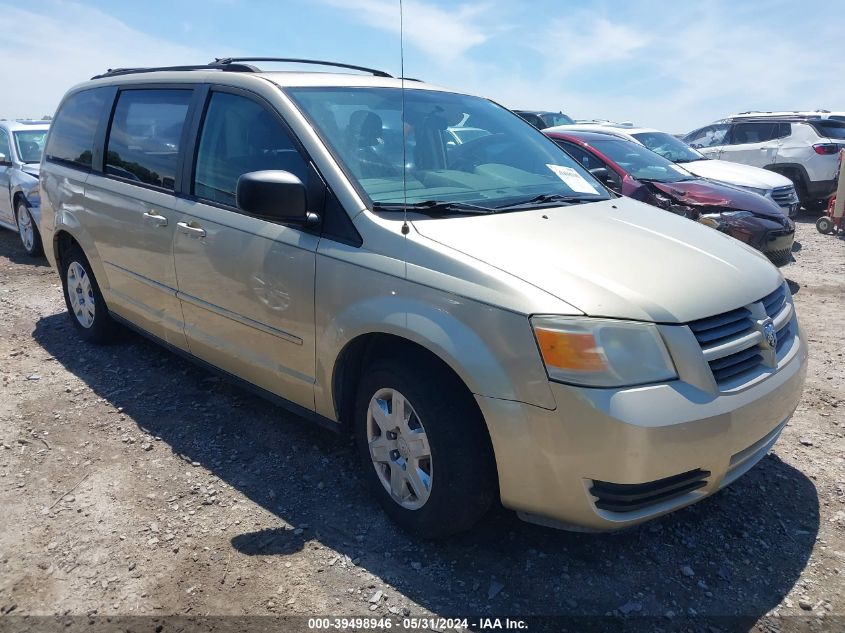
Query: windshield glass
(669, 147)
(500, 160)
(640, 162)
(553, 120)
(30, 144)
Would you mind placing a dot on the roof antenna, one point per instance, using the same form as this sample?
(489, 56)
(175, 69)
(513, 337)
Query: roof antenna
(405, 227)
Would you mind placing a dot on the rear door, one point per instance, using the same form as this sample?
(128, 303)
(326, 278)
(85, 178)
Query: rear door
(709, 140)
(753, 143)
(246, 285)
(132, 204)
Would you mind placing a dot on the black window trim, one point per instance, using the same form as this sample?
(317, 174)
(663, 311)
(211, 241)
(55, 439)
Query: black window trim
(191, 153)
(101, 141)
(97, 149)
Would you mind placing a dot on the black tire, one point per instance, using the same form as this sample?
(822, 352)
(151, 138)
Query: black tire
(817, 205)
(22, 211)
(463, 472)
(102, 328)
(824, 225)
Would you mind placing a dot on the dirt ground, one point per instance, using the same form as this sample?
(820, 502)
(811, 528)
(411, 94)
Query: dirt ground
(134, 484)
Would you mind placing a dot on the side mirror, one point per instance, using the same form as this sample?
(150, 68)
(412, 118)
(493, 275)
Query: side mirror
(4, 161)
(604, 175)
(274, 195)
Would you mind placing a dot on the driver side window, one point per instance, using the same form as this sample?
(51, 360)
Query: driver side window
(710, 136)
(240, 136)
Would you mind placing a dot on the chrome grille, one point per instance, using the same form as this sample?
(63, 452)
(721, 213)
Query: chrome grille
(773, 302)
(784, 196)
(733, 344)
(716, 329)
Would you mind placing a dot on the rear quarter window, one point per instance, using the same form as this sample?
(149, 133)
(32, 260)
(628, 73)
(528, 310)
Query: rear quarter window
(72, 134)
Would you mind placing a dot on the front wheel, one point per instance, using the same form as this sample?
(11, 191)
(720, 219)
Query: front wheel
(85, 304)
(30, 238)
(424, 447)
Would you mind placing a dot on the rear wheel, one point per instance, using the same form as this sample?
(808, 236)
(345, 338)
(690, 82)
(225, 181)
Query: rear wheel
(85, 304)
(30, 238)
(424, 447)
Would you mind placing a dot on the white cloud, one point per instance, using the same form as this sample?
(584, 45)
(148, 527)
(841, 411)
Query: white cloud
(66, 43)
(445, 35)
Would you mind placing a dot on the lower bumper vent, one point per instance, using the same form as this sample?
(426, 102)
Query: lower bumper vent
(630, 497)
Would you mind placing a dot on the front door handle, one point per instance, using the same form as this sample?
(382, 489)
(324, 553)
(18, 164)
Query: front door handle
(151, 217)
(189, 229)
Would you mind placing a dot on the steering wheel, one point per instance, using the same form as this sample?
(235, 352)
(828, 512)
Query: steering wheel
(466, 156)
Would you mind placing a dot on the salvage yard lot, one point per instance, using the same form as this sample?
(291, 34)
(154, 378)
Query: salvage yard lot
(187, 495)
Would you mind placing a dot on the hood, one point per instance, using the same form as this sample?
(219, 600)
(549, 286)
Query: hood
(737, 174)
(701, 193)
(619, 258)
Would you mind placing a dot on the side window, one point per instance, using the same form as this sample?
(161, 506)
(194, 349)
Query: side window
(710, 136)
(587, 160)
(753, 132)
(72, 133)
(143, 142)
(5, 148)
(784, 130)
(239, 136)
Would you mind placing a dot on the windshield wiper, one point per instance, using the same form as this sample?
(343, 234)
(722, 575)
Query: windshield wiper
(434, 207)
(546, 199)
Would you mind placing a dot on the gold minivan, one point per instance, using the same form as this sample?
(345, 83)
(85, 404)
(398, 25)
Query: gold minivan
(425, 270)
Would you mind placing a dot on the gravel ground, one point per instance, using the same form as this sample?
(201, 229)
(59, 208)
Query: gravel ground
(134, 483)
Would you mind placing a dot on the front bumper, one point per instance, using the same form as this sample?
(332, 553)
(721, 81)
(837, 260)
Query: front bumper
(548, 461)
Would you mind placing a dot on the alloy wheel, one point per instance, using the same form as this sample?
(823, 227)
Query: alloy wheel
(25, 227)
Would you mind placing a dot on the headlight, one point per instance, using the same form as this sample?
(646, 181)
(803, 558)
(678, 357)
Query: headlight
(602, 352)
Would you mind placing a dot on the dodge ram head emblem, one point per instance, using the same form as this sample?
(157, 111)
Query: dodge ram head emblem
(769, 334)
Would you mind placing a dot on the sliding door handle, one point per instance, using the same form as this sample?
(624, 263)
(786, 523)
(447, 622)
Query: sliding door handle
(151, 217)
(191, 229)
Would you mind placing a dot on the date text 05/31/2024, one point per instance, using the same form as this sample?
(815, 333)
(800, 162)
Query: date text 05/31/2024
(413, 624)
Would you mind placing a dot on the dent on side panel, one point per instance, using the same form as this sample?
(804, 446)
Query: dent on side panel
(491, 349)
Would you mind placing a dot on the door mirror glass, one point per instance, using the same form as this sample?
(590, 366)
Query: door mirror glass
(606, 177)
(273, 195)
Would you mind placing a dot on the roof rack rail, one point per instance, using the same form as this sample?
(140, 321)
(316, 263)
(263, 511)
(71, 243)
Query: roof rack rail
(290, 60)
(241, 68)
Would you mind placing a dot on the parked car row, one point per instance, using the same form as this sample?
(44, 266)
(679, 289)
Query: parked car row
(476, 305)
(632, 170)
(803, 147)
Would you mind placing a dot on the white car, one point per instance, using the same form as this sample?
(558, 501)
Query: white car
(761, 181)
(803, 147)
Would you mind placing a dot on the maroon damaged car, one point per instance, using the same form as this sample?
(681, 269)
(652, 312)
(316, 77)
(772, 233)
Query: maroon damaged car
(636, 172)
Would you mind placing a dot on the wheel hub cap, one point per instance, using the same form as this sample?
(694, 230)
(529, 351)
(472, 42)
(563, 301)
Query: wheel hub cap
(81, 294)
(399, 449)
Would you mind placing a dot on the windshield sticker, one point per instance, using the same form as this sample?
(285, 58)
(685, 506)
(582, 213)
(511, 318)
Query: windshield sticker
(573, 179)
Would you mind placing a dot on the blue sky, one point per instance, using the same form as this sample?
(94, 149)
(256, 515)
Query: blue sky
(674, 65)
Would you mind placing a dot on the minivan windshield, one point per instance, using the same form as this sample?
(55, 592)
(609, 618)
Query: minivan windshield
(669, 147)
(30, 144)
(500, 161)
(641, 162)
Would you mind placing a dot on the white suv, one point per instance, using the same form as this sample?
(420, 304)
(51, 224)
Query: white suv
(804, 148)
(767, 183)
